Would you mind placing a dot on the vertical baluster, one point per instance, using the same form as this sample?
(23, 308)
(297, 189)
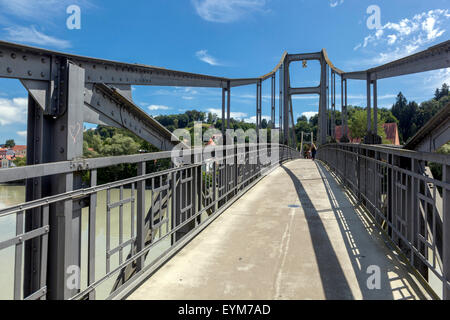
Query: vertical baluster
(108, 229)
(140, 216)
(45, 222)
(132, 211)
(121, 225)
(91, 233)
(18, 257)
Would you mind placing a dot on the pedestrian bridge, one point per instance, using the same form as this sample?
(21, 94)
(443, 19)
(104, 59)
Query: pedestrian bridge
(230, 224)
(297, 234)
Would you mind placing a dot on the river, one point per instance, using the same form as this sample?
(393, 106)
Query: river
(12, 195)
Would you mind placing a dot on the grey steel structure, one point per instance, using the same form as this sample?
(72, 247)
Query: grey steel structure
(67, 90)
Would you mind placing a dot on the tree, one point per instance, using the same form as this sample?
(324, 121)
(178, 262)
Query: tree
(264, 124)
(20, 162)
(358, 125)
(10, 143)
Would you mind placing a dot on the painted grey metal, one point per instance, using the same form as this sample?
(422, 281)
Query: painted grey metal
(91, 232)
(322, 138)
(304, 90)
(65, 90)
(433, 58)
(369, 104)
(393, 186)
(375, 107)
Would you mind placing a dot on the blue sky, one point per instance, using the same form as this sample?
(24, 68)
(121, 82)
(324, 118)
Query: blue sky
(232, 38)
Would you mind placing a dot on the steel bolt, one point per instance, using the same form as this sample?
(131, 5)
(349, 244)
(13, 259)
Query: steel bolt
(13, 55)
(9, 70)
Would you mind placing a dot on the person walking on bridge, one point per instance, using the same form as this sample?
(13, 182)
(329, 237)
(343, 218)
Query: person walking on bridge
(313, 151)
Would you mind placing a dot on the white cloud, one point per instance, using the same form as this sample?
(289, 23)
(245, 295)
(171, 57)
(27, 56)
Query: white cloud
(228, 10)
(22, 133)
(32, 36)
(253, 119)
(234, 115)
(155, 107)
(13, 111)
(406, 36)
(309, 114)
(33, 10)
(205, 57)
(436, 78)
(335, 3)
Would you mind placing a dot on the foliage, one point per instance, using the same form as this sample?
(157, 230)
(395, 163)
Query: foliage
(10, 143)
(20, 162)
(412, 116)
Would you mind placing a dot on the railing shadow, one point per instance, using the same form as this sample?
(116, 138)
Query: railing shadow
(334, 282)
(353, 226)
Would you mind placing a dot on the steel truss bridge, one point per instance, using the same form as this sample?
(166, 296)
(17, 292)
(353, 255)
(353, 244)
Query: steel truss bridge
(174, 205)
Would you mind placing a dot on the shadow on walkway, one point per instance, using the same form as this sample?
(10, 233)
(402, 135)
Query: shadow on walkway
(360, 238)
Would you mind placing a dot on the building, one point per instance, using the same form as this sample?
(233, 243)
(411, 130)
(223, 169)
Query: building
(7, 156)
(20, 151)
(390, 129)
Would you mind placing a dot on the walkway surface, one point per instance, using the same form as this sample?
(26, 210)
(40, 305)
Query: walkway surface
(295, 235)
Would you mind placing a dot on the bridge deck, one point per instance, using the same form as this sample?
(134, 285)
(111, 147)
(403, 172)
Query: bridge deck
(264, 247)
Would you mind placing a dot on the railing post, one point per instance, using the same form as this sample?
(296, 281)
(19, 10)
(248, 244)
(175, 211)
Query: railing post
(91, 238)
(140, 215)
(65, 221)
(446, 232)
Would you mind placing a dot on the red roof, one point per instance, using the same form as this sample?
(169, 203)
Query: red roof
(19, 148)
(391, 130)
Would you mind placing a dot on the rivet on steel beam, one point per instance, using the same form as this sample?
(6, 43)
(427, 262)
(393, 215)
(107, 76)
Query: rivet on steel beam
(9, 70)
(42, 74)
(25, 58)
(20, 239)
(29, 73)
(61, 150)
(13, 55)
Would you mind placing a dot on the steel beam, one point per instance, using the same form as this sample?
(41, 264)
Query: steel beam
(322, 139)
(304, 90)
(66, 139)
(304, 56)
(33, 218)
(433, 58)
(106, 105)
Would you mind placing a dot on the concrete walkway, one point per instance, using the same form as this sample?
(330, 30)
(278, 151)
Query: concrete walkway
(295, 235)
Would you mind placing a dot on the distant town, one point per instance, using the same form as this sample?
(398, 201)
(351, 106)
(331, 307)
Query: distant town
(12, 155)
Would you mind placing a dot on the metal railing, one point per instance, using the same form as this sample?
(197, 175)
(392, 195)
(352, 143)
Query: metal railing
(148, 216)
(399, 191)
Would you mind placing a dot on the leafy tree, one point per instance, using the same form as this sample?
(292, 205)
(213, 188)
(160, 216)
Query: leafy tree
(264, 123)
(358, 125)
(20, 162)
(10, 143)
